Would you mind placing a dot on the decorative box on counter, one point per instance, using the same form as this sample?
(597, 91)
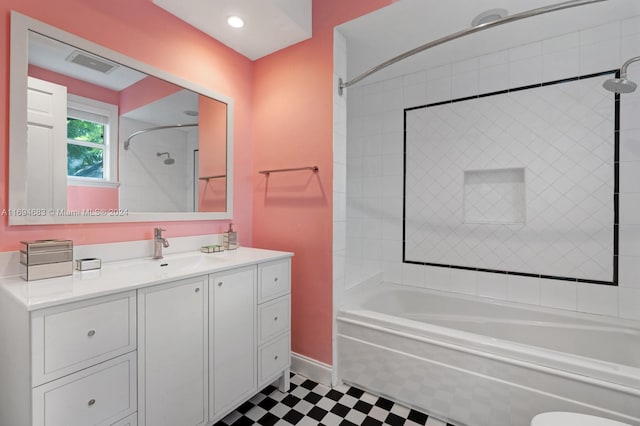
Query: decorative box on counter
(46, 259)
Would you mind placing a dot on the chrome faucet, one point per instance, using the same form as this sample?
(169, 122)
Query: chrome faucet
(158, 243)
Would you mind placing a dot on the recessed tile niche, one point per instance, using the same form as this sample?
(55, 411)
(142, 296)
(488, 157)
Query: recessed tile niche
(495, 196)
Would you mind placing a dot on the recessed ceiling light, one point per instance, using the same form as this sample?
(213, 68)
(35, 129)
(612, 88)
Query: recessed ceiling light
(489, 16)
(235, 21)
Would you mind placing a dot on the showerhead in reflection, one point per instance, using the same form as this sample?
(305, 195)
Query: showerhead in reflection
(168, 161)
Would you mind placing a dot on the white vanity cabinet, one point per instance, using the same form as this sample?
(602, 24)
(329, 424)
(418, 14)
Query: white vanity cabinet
(73, 364)
(274, 325)
(232, 341)
(172, 355)
(184, 347)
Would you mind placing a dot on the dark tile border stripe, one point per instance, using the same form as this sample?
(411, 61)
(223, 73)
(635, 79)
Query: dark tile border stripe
(616, 179)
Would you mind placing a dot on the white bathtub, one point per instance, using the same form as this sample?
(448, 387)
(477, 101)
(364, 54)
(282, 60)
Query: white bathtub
(478, 363)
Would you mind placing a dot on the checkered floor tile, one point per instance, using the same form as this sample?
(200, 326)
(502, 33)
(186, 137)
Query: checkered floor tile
(309, 403)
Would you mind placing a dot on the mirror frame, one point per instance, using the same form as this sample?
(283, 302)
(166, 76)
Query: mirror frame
(21, 25)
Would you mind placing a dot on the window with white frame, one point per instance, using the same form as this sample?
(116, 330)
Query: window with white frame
(92, 135)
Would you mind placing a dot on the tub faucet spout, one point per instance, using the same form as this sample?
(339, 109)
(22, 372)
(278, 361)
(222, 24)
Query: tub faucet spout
(158, 243)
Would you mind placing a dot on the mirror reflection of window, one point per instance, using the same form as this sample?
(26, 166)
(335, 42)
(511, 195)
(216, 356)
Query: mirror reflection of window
(92, 129)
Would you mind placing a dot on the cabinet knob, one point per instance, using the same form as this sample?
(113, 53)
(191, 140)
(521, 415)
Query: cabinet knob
(275, 357)
(220, 284)
(197, 290)
(275, 318)
(91, 333)
(275, 280)
(91, 402)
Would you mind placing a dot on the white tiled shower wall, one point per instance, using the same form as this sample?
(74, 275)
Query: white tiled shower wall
(146, 183)
(375, 169)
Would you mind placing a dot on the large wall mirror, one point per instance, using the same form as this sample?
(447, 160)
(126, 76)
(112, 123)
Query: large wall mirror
(96, 136)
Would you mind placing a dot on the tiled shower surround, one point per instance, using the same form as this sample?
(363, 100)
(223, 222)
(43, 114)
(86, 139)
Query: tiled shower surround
(375, 183)
(469, 202)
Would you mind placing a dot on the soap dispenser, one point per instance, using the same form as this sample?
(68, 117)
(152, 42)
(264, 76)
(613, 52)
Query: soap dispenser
(230, 238)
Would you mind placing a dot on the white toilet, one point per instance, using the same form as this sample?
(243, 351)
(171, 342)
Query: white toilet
(559, 418)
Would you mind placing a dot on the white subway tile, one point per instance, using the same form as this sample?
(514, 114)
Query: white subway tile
(339, 266)
(492, 285)
(630, 46)
(525, 51)
(559, 294)
(413, 275)
(464, 67)
(393, 121)
(629, 271)
(415, 78)
(631, 26)
(392, 185)
(629, 244)
(560, 64)
(439, 90)
(600, 33)
(466, 84)
(494, 78)
(630, 176)
(630, 111)
(525, 72)
(415, 95)
(602, 56)
(438, 73)
(393, 165)
(598, 299)
(629, 303)
(523, 289)
(560, 43)
(630, 208)
(495, 58)
(392, 271)
(463, 281)
(630, 145)
(437, 278)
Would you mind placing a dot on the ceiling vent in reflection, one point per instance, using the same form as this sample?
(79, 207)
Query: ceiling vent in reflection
(90, 61)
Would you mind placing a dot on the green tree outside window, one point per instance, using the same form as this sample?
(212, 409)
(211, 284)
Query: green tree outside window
(85, 148)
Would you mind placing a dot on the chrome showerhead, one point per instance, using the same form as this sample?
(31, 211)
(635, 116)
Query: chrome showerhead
(620, 85)
(168, 161)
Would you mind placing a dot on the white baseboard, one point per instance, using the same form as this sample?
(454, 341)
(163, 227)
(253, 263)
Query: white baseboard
(311, 369)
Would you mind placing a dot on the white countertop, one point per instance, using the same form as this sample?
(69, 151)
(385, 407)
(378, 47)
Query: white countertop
(122, 276)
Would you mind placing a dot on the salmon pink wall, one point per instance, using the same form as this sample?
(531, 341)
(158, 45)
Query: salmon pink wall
(293, 127)
(89, 197)
(164, 42)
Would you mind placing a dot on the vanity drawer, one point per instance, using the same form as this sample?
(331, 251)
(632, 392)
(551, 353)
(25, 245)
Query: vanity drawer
(273, 279)
(71, 337)
(274, 357)
(273, 318)
(100, 395)
(131, 420)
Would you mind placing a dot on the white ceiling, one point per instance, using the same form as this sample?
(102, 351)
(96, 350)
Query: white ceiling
(51, 54)
(270, 25)
(406, 24)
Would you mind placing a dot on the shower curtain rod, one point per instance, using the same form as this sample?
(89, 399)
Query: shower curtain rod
(151, 129)
(510, 18)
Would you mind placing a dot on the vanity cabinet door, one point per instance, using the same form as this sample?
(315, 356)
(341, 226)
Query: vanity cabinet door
(173, 365)
(233, 338)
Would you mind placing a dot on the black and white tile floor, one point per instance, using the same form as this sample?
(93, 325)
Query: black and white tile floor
(308, 403)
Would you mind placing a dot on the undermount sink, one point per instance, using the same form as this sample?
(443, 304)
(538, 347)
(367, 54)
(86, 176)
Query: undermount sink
(187, 261)
(174, 264)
